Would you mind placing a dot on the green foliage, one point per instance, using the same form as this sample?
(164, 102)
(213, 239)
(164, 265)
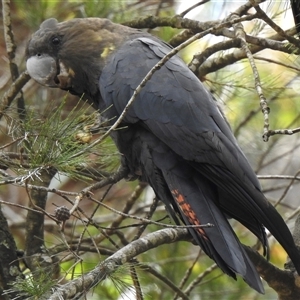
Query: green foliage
(32, 287)
(94, 8)
(44, 9)
(60, 141)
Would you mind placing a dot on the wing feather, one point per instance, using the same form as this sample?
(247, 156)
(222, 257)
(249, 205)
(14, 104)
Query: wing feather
(176, 109)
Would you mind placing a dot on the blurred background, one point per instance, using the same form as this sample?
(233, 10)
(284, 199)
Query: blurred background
(276, 162)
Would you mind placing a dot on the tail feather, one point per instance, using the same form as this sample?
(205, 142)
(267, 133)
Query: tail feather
(251, 207)
(205, 193)
(194, 199)
(240, 214)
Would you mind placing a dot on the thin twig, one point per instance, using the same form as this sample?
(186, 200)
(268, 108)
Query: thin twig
(136, 283)
(240, 34)
(13, 91)
(199, 278)
(128, 205)
(166, 281)
(147, 221)
(148, 216)
(11, 52)
(262, 15)
(193, 7)
(284, 177)
(282, 131)
(188, 273)
(113, 178)
(20, 206)
(38, 208)
(287, 189)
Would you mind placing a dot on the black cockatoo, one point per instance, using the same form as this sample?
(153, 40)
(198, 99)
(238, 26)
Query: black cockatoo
(173, 136)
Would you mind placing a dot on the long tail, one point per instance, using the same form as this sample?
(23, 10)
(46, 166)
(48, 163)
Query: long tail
(245, 203)
(187, 193)
(195, 199)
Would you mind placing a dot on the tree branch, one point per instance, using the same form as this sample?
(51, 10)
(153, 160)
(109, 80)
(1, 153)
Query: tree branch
(11, 50)
(283, 282)
(80, 286)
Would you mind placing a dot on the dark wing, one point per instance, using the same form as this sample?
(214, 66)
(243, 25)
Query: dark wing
(173, 105)
(191, 195)
(176, 108)
(295, 4)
